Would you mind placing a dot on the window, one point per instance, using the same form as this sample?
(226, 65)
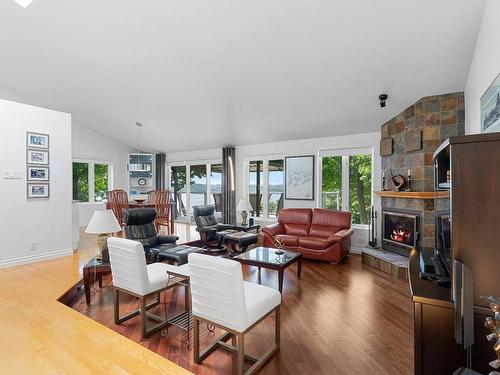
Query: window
(360, 188)
(204, 187)
(101, 179)
(178, 186)
(215, 182)
(256, 177)
(347, 185)
(276, 189)
(91, 181)
(265, 179)
(81, 182)
(198, 182)
(332, 183)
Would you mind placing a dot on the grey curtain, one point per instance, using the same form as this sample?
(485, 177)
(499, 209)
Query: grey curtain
(228, 185)
(161, 162)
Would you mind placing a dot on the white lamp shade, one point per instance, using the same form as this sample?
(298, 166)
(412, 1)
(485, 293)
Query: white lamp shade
(103, 221)
(244, 205)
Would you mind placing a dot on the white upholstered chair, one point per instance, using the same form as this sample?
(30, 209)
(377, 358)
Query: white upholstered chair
(220, 297)
(132, 276)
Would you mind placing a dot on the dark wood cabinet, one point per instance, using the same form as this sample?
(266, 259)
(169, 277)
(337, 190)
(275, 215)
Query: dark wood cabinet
(474, 206)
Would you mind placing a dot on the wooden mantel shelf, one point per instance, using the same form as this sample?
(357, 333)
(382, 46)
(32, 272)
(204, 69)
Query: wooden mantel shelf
(413, 194)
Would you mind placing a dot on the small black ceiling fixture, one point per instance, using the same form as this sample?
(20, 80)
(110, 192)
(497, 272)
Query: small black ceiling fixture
(382, 98)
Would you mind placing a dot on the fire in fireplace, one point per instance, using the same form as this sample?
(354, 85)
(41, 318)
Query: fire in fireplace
(400, 231)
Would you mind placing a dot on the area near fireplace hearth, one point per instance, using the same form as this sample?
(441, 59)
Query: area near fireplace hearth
(408, 218)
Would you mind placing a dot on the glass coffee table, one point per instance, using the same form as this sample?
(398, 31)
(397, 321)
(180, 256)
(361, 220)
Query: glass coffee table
(266, 257)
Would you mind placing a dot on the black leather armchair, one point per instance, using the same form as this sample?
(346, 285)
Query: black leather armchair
(208, 226)
(140, 226)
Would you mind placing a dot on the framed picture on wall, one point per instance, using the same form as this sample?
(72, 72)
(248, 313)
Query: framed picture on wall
(38, 190)
(34, 173)
(38, 157)
(37, 140)
(490, 108)
(299, 177)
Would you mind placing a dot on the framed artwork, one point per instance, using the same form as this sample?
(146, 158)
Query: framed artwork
(37, 140)
(38, 157)
(37, 173)
(490, 108)
(38, 190)
(299, 177)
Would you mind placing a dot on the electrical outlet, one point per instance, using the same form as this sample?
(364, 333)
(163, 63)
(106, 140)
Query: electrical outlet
(33, 246)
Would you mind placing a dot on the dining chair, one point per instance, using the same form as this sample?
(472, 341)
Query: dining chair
(118, 201)
(221, 298)
(151, 196)
(163, 205)
(132, 276)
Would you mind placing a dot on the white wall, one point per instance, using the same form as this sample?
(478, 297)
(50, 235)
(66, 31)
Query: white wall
(91, 145)
(44, 222)
(485, 65)
(278, 150)
(312, 146)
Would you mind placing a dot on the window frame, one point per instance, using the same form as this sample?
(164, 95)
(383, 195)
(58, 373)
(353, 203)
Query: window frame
(345, 154)
(264, 183)
(91, 177)
(187, 164)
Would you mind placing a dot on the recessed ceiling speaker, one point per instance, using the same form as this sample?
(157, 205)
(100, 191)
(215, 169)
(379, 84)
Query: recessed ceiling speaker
(382, 98)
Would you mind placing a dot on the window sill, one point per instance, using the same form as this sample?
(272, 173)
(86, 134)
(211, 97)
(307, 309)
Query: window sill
(360, 226)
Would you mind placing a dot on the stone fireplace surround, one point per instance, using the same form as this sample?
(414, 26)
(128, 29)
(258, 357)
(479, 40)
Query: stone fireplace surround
(437, 118)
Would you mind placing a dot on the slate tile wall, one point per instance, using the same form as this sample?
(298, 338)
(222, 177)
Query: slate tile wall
(438, 118)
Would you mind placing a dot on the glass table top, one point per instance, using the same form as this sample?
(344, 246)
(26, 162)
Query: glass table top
(267, 255)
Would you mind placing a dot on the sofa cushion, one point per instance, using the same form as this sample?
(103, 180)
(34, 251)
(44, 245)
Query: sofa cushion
(296, 221)
(317, 243)
(288, 240)
(327, 222)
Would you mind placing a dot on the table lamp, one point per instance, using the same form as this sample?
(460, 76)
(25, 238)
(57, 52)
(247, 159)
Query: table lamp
(244, 206)
(103, 223)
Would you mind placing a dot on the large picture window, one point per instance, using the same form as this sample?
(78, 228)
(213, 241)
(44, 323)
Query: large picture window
(347, 185)
(91, 181)
(203, 187)
(266, 187)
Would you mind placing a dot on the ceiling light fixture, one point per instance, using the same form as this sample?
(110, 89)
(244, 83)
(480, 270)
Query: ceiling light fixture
(24, 3)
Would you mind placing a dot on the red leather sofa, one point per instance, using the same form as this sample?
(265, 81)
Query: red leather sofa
(317, 233)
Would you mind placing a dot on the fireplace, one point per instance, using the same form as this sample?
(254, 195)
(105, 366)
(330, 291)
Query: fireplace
(400, 230)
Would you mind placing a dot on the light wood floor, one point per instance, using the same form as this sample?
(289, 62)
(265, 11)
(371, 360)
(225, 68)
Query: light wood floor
(336, 320)
(39, 335)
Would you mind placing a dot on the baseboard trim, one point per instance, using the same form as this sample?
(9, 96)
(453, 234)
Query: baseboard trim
(35, 258)
(356, 250)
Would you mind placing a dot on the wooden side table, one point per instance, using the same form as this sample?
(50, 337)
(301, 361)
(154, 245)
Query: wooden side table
(92, 271)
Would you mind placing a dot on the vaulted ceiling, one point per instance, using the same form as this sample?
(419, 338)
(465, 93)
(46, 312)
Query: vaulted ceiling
(201, 74)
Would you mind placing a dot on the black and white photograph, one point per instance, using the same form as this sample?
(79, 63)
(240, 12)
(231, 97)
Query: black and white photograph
(490, 108)
(299, 177)
(37, 173)
(38, 157)
(38, 190)
(37, 140)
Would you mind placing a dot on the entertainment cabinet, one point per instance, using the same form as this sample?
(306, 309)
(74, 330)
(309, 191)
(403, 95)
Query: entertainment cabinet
(468, 168)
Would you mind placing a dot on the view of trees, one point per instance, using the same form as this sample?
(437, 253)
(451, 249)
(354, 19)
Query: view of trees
(81, 182)
(100, 181)
(360, 184)
(359, 174)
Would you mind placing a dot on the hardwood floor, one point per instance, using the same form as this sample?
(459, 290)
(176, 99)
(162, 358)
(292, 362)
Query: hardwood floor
(348, 319)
